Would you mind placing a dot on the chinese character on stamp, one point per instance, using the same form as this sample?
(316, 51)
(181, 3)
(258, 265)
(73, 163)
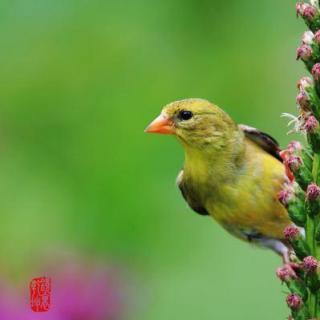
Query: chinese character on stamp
(40, 294)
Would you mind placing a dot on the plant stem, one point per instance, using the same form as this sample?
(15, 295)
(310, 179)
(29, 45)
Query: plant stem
(315, 249)
(311, 240)
(310, 228)
(315, 167)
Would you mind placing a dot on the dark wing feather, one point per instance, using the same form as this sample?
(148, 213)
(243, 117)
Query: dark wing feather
(194, 204)
(263, 140)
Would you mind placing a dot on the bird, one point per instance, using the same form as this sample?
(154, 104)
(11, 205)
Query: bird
(232, 173)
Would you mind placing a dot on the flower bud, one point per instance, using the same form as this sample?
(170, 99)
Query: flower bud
(311, 124)
(310, 264)
(307, 37)
(313, 192)
(285, 196)
(293, 198)
(304, 52)
(316, 72)
(317, 37)
(294, 146)
(311, 127)
(313, 197)
(303, 100)
(294, 163)
(286, 274)
(291, 233)
(305, 82)
(294, 301)
(309, 12)
(299, 8)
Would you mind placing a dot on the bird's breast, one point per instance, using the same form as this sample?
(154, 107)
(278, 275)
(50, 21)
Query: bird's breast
(246, 200)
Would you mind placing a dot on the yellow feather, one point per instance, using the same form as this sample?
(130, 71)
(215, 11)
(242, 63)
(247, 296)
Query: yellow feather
(250, 203)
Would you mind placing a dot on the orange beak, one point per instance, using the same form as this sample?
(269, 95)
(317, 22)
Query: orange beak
(162, 125)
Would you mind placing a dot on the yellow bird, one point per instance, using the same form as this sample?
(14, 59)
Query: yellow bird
(232, 172)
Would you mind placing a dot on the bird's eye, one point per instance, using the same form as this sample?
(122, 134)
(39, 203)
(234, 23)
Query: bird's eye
(185, 115)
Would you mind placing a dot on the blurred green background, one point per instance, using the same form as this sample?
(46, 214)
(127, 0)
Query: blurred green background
(80, 80)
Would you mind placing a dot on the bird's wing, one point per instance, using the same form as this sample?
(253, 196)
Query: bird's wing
(194, 203)
(263, 140)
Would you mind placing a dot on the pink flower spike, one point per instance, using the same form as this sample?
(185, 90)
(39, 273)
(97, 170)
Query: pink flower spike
(294, 301)
(291, 233)
(304, 52)
(313, 192)
(316, 72)
(310, 264)
(311, 124)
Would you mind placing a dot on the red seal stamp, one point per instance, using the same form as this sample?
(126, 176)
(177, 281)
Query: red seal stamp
(40, 294)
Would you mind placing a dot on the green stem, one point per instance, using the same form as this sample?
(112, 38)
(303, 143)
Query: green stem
(310, 228)
(315, 174)
(310, 237)
(315, 167)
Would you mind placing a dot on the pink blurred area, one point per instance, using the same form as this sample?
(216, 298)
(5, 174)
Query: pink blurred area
(81, 290)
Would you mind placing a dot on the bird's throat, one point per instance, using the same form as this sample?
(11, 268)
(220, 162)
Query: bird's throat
(199, 169)
(212, 166)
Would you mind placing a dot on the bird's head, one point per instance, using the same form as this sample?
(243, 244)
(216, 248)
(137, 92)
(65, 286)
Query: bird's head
(196, 123)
